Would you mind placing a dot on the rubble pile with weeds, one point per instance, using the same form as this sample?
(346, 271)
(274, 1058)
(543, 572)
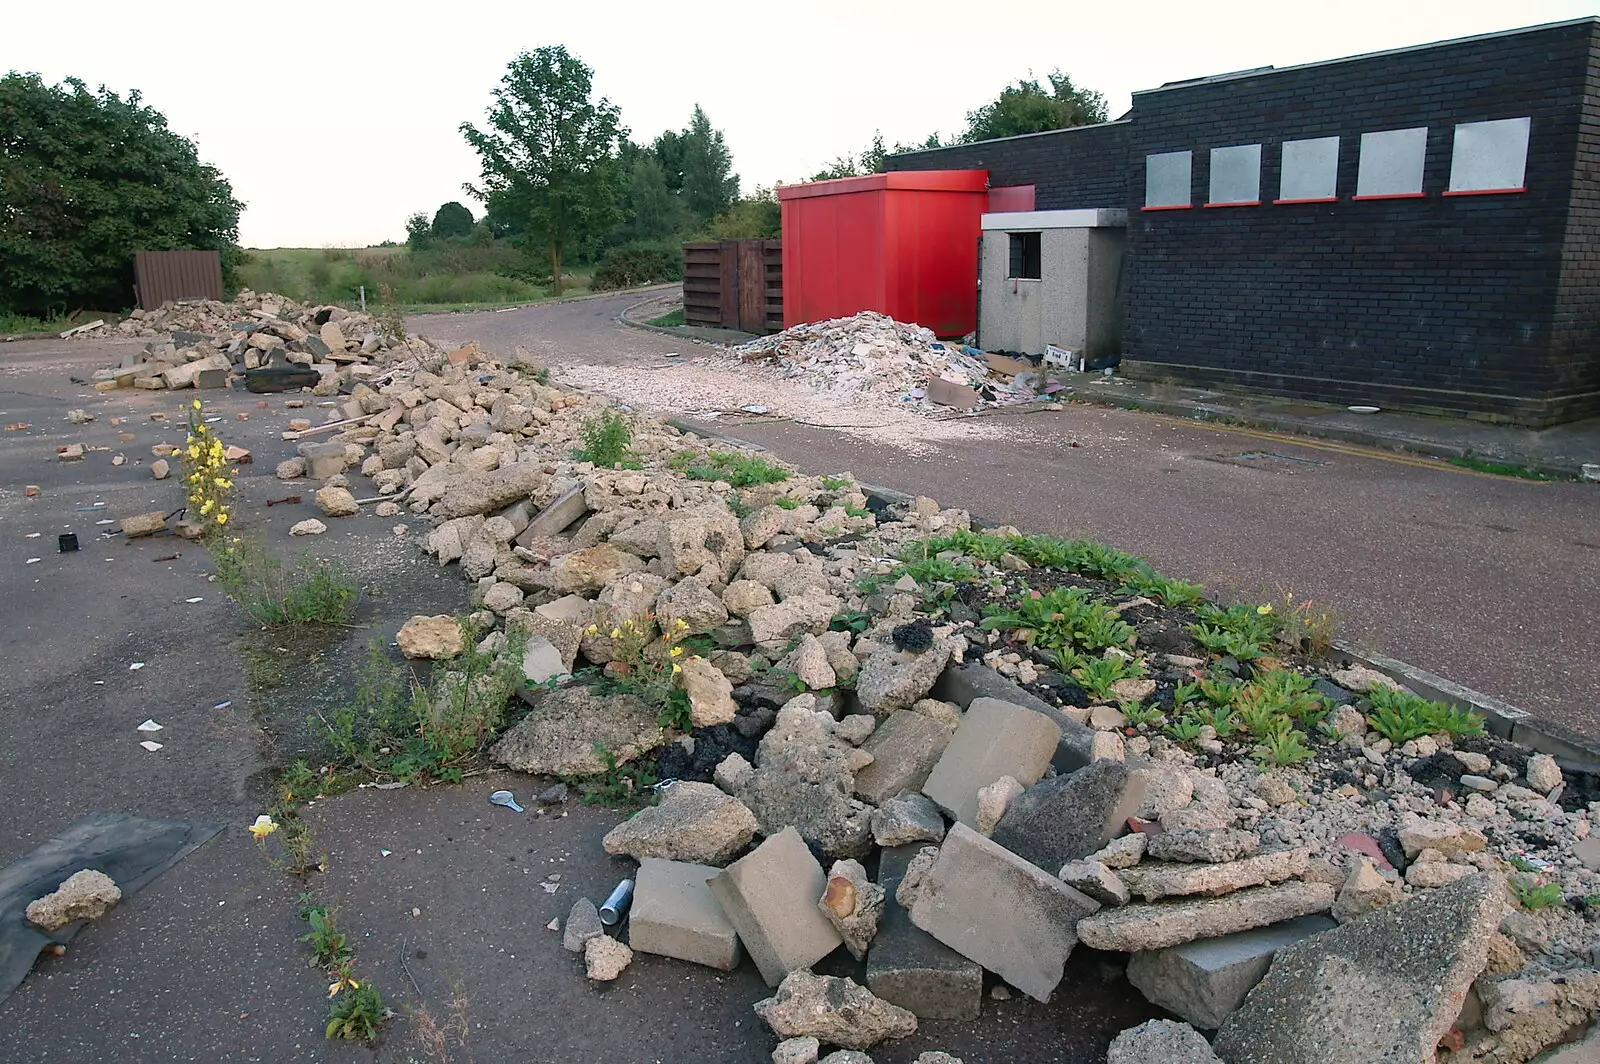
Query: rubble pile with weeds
(1040, 741)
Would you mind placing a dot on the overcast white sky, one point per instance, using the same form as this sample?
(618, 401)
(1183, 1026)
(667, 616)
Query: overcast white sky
(334, 120)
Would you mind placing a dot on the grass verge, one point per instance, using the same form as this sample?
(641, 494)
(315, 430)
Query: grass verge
(1501, 469)
(669, 319)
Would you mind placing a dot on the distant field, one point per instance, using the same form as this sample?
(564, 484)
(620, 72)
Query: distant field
(451, 277)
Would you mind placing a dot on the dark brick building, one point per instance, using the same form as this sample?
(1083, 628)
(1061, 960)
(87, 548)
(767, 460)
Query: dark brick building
(1414, 229)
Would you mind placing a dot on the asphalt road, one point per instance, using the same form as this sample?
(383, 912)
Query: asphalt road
(1487, 581)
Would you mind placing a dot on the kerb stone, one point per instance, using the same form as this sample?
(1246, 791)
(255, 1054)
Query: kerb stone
(904, 749)
(1204, 981)
(770, 896)
(991, 906)
(995, 739)
(909, 967)
(1068, 818)
(675, 915)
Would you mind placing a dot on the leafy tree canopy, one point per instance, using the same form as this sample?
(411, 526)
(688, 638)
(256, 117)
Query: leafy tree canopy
(451, 220)
(549, 153)
(1027, 107)
(86, 179)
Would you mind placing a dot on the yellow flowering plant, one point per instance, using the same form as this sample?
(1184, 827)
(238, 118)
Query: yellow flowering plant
(644, 665)
(207, 478)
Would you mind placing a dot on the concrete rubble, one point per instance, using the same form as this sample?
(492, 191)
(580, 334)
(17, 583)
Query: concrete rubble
(87, 894)
(833, 1010)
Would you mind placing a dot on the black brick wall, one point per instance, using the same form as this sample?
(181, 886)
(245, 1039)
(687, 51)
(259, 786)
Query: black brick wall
(1083, 167)
(1483, 305)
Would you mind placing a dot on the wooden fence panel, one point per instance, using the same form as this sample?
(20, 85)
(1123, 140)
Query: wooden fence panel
(163, 276)
(734, 284)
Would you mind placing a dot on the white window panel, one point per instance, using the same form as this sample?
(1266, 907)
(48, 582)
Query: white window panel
(1490, 156)
(1391, 163)
(1167, 179)
(1235, 175)
(1310, 170)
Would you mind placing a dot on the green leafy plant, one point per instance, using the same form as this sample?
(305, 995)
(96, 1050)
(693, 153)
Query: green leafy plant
(1220, 718)
(1145, 581)
(329, 946)
(938, 571)
(1219, 690)
(299, 783)
(605, 442)
(355, 1011)
(857, 511)
(1222, 641)
(1281, 693)
(1283, 747)
(1533, 894)
(1185, 729)
(1060, 619)
(615, 786)
(1401, 716)
(850, 621)
(735, 469)
(981, 545)
(1305, 624)
(1183, 693)
(832, 483)
(276, 595)
(1521, 864)
(1242, 631)
(1097, 675)
(1139, 714)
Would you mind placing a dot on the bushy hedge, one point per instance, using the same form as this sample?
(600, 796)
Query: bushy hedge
(631, 265)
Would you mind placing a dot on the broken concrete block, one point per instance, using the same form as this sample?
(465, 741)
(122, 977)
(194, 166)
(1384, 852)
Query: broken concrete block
(1152, 881)
(604, 958)
(323, 460)
(1205, 981)
(833, 1010)
(85, 895)
(853, 904)
(906, 819)
(710, 693)
(1096, 880)
(1215, 845)
(144, 524)
(1363, 891)
(771, 895)
(1160, 1042)
(583, 923)
(1133, 928)
(566, 731)
(994, 800)
(554, 519)
(910, 967)
(892, 680)
(1069, 817)
(1448, 838)
(995, 908)
(904, 750)
(797, 1051)
(995, 739)
(1401, 973)
(675, 915)
(433, 638)
(695, 822)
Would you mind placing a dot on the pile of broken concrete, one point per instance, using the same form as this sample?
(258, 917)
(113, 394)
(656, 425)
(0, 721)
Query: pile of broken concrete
(199, 344)
(833, 730)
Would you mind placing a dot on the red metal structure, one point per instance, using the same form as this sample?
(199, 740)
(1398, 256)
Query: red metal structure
(903, 243)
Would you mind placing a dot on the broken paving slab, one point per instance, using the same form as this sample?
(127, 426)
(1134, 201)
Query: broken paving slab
(995, 739)
(1388, 986)
(770, 895)
(694, 822)
(555, 518)
(964, 684)
(674, 914)
(904, 749)
(1206, 980)
(1068, 818)
(1135, 928)
(1154, 881)
(911, 968)
(995, 908)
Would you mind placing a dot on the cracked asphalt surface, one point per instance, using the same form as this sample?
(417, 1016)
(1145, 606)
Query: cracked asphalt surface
(1489, 582)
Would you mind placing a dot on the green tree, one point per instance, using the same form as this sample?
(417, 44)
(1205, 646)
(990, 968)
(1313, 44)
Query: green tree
(709, 184)
(754, 217)
(88, 178)
(451, 220)
(651, 211)
(1027, 107)
(549, 155)
(419, 232)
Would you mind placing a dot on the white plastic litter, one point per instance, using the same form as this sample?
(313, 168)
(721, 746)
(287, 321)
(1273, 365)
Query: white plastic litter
(150, 746)
(149, 725)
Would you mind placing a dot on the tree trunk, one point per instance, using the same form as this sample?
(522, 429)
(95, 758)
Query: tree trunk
(555, 267)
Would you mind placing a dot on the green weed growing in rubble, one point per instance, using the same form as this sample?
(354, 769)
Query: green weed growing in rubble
(735, 469)
(356, 1010)
(1534, 895)
(1401, 716)
(1285, 746)
(330, 947)
(605, 442)
(1097, 675)
(1185, 729)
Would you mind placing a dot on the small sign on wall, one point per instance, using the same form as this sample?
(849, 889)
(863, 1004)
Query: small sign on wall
(1489, 157)
(1391, 163)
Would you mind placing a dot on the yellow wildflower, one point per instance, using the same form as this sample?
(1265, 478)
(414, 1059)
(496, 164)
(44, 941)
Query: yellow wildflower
(676, 668)
(677, 652)
(591, 630)
(616, 633)
(206, 506)
(1263, 610)
(263, 826)
(222, 518)
(342, 982)
(194, 452)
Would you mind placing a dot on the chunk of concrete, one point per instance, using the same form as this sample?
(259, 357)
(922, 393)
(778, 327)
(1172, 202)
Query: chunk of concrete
(1068, 818)
(144, 524)
(964, 684)
(995, 908)
(770, 895)
(995, 739)
(1160, 1042)
(695, 822)
(1388, 986)
(904, 750)
(1134, 928)
(554, 519)
(833, 1010)
(1153, 881)
(1096, 880)
(1205, 981)
(323, 459)
(583, 923)
(1214, 845)
(675, 915)
(911, 968)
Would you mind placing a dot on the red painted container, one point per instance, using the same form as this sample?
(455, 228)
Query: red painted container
(904, 244)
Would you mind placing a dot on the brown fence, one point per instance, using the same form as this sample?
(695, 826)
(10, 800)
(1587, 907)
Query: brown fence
(734, 284)
(160, 276)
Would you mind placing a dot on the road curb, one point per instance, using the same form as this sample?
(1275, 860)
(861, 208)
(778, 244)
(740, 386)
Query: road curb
(1573, 751)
